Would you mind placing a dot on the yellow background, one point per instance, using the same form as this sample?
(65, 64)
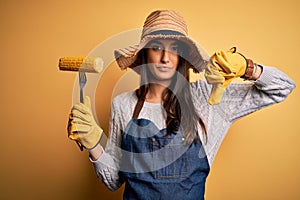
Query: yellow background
(259, 158)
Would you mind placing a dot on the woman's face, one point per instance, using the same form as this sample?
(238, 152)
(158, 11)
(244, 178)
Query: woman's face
(162, 58)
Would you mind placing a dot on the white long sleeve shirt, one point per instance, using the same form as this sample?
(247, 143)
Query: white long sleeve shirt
(240, 99)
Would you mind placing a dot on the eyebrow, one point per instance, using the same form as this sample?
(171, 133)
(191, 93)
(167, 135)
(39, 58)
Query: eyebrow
(159, 42)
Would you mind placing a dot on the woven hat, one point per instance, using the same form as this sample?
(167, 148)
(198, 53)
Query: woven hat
(163, 24)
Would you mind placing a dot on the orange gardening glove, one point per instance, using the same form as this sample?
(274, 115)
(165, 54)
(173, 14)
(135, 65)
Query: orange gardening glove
(82, 126)
(223, 67)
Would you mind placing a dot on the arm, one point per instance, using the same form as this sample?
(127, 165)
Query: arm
(96, 152)
(256, 73)
(106, 162)
(240, 98)
(83, 128)
(269, 87)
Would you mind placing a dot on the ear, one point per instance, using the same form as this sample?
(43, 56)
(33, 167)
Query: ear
(232, 50)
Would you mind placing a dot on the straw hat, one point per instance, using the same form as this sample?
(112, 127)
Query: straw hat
(163, 24)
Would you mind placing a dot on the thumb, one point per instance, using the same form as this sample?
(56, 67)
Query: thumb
(87, 102)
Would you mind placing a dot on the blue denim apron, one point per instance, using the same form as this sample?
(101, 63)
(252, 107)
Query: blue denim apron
(155, 166)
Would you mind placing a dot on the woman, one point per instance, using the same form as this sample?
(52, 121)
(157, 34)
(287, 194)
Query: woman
(164, 136)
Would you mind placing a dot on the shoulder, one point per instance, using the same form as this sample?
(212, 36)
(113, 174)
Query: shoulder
(125, 97)
(124, 100)
(200, 90)
(122, 108)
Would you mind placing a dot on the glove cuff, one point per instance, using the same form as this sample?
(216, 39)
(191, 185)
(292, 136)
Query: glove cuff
(216, 94)
(92, 145)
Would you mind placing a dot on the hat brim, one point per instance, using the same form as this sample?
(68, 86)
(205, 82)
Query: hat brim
(196, 56)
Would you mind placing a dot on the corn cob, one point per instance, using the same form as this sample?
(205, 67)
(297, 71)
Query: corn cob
(85, 64)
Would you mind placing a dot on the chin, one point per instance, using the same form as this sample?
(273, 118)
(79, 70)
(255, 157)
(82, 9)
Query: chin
(161, 79)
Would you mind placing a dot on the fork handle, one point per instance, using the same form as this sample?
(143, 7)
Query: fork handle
(81, 95)
(81, 101)
(81, 85)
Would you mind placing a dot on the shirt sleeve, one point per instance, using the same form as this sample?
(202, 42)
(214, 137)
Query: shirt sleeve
(108, 164)
(242, 98)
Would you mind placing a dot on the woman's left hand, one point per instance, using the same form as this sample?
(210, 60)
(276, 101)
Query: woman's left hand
(223, 67)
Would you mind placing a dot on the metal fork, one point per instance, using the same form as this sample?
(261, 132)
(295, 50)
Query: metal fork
(82, 83)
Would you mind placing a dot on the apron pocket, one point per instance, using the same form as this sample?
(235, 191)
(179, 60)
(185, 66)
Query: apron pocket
(170, 161)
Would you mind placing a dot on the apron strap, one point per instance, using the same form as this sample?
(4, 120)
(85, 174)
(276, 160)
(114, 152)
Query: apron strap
(138, 108)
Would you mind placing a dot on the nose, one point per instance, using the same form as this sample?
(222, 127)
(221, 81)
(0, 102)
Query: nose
(165, 57)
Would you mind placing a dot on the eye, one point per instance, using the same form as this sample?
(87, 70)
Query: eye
(156, 47)
(175, 49)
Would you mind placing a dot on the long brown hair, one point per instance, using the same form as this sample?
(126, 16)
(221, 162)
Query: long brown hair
(177, 100)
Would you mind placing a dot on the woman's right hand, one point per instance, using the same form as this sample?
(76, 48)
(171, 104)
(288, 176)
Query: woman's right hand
(82, 126)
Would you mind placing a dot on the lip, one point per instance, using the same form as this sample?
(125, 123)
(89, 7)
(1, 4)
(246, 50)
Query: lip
(163, 68)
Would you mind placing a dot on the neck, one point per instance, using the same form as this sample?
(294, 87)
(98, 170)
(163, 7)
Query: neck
(154, 94)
